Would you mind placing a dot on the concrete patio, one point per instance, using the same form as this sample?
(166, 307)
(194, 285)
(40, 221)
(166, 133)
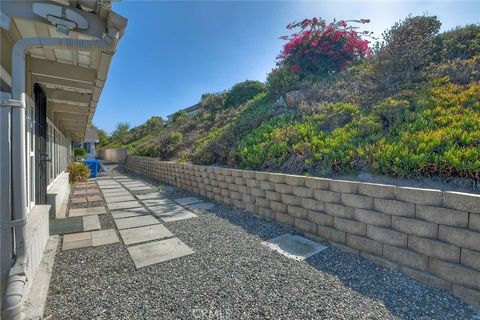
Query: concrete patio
(179, 256)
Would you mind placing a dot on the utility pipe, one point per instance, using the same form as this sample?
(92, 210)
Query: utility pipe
(14, 292)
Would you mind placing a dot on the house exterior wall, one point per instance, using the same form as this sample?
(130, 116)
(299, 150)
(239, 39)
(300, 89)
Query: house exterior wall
(59, 151)
(429, 235)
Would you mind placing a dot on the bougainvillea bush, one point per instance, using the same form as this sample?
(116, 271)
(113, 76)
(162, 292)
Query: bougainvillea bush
(320, 48)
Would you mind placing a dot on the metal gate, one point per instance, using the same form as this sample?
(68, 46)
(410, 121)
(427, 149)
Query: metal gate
(41, 156)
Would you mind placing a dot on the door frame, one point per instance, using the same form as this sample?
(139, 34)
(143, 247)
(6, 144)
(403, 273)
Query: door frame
(41, 156)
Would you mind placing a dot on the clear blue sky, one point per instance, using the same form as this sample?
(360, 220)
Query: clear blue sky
(172, 52)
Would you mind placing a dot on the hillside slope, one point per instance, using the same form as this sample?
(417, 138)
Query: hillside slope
(405, 112)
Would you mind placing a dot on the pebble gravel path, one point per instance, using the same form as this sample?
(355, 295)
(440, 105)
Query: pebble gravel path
(233, 276)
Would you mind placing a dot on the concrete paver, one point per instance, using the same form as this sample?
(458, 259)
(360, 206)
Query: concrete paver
(188, 200)
(91, 223)
(103, 237)
(123, 205)
(155, 195)
(79, 212)
(159, 251)
(294, 247)
(133, 222)
(127, 214)
(119, 199)
(143, 234)
(76, 240)
(158, 202)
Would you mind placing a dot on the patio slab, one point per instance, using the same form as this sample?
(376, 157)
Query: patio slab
(155, 195)
(158, 202)
(127, 214)
(119, 199)
(134, 184)
(144, 234)
(78, 200)
(66, 225)
(176, 215)
(294, 247)
(103, 237)
(77, 240)
(140, 188)
(160, 209)
(94, 198)
(116, 194)
(91, 223)
(123, 205)
(188, 200)
(201, 206)
(113, 186)
(134, 222)
(80, 212)
(151, 253)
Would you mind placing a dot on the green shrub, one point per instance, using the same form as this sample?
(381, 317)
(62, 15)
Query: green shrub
(79, 172)
(178, 115)
(242, 92)
(406, 48)
(281, 81)
(176, 137)
(79, 152)
(460, 43)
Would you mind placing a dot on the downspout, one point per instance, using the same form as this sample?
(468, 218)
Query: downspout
(14, 292)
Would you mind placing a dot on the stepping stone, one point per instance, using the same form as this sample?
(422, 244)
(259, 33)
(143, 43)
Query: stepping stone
(145, 220)
(155, 252)
(165, 208)
(117, 186)
(188, 200)
(65, 225)
(91, 223)
(294, 247)
(103, 237)
(176, 215)
(94, 198)
(144, 234)
(116, 194)
(156, 195)
(82, 200)
(140, 188)
(119, 199)
(123, 205)
(128, 214)
(158, 202)
(79, 212)
(134, 184)
(77, 240)
(201, 206)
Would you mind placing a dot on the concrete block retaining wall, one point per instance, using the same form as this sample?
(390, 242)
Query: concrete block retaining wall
(429, 235)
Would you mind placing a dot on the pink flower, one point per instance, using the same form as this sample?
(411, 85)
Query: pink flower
(314, 43)
(296, 69)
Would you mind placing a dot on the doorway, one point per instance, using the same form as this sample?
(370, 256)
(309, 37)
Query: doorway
(41, 156)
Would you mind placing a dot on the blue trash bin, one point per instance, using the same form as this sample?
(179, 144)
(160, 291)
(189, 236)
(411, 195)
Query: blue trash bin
(93, 166)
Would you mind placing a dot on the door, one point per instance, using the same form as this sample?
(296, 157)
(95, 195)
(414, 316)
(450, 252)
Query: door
(41, 156)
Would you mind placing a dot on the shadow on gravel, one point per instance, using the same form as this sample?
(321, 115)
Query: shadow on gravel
(403, 296)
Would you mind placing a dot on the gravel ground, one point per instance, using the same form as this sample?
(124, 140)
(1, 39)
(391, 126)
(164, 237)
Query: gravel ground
(232, 276)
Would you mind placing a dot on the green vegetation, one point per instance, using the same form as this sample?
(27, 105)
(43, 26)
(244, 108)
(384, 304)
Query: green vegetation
(411, 109)
(79, 153)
